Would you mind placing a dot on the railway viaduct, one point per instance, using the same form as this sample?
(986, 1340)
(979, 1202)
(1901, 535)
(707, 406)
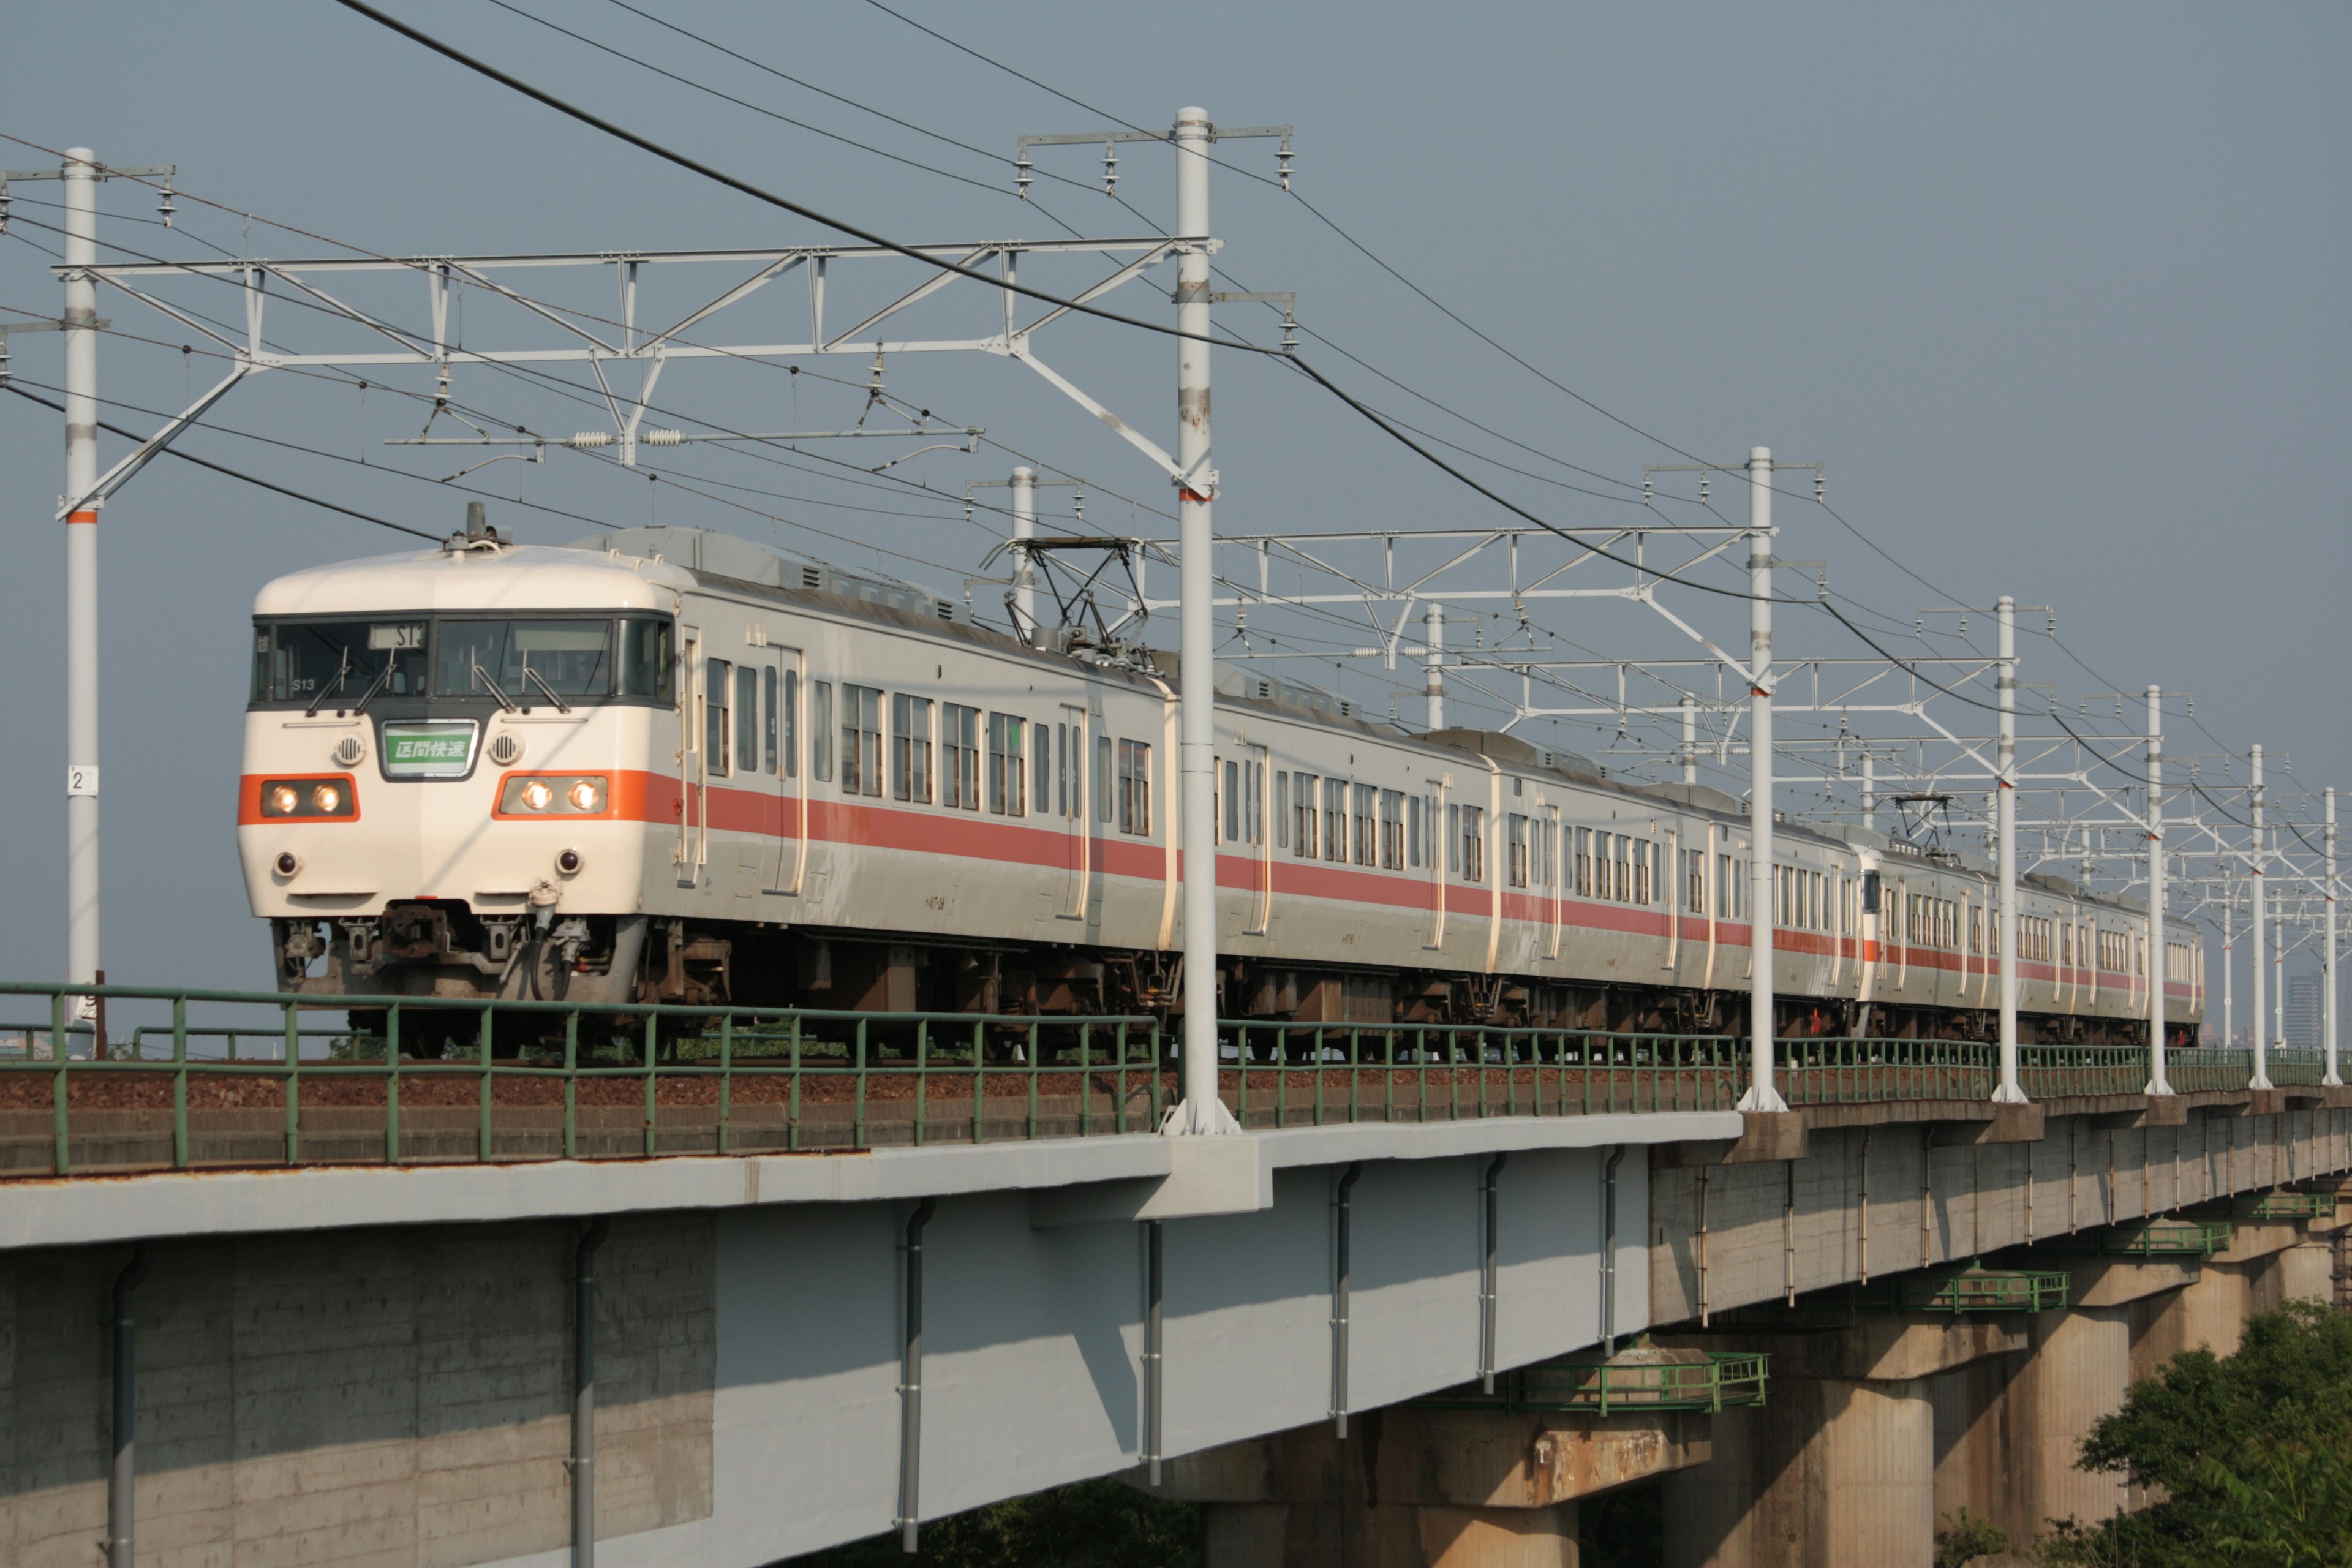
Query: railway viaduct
(725, 1311)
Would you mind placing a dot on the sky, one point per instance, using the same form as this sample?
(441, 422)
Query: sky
(2055, 292)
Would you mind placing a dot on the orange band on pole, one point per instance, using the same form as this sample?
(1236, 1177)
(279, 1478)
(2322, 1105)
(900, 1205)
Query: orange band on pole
(73, 516)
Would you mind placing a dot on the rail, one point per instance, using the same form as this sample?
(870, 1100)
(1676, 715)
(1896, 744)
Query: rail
(197, 1078)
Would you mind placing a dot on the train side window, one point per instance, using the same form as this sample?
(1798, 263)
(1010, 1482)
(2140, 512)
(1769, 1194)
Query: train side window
(1102, 778)
(1306, 811)
(1041, 775)
(717, 684)
(790, 737)
(1232, 802)
(1413, 832)
(1007, 754)
(1281, 808)
(1135, 788)
(1474, 843)
(1515, 839)
(959, 757)
(1254, 811)
(768, 717)
(646, 658)
(1870, 892)
(1062, 763)
(861, 740)
(910, 748)
(821, 728)
(1454, 840)
(1335, 819)
(1368, 826)
(747, 719)
(1393, 829)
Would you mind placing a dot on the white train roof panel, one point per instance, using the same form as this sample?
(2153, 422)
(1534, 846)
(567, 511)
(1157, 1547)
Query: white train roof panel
(512, 577)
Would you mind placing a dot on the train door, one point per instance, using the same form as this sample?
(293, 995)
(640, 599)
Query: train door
(1257, 839)
(1070, 804)
(1554, 864)
(1433, 847)
(784, 782)
(694, 781)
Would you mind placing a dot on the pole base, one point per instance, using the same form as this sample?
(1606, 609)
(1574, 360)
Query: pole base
(2157, 1086)
(2008, 1094)
(2261, 1080)
(1196, 1118)
(1762, 1097)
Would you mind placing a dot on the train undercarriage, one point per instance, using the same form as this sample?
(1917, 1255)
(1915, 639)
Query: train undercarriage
(443, 949)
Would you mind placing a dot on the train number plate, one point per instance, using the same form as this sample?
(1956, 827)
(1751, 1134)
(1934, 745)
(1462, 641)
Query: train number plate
(428, 751)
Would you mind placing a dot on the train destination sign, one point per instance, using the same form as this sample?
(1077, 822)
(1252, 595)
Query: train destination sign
(428, 751)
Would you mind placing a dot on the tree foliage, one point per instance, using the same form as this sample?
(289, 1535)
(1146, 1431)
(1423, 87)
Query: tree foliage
(1089, 1524)
(2253, 1453)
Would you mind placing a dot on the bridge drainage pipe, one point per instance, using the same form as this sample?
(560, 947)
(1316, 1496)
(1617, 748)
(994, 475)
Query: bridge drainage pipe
(583, 1392)
(1341, 1204)
(1154, 1363)
(910, 1382)
(1488, 1301)
(1608, 1250)
(122, 1501)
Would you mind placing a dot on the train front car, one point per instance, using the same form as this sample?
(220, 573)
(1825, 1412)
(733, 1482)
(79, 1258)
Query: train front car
(458, 767)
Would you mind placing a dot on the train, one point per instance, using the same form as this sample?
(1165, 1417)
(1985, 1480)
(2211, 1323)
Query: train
(668, 764)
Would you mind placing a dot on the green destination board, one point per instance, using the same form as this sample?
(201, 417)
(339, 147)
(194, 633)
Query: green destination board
(427, 751)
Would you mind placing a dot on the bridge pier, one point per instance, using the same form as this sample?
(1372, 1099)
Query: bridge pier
(1425, 1486)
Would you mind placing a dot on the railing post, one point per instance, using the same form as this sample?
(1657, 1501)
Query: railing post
(726, 1079)
(392, 1084)
(60, 1094)
(179, 1083)
(293, 1085)
(571, 1086)
(482, 1134)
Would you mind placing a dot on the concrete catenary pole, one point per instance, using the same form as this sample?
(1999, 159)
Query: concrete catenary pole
(1432, 680)
(1024, 568)
(2229, 973)
(1200, 1110)
(82, 957)
(2011, 1091)
(2262, 1078)
(2328, 954)
(1690, 739)
(1761, 1094)
(2156, 1082)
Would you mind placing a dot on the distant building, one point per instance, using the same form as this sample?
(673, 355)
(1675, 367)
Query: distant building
(2303, 1011)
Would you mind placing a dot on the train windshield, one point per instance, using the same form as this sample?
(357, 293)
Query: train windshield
(335, 663)
(519, 662)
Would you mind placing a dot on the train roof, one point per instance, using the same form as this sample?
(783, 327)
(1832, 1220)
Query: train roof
(479, 577)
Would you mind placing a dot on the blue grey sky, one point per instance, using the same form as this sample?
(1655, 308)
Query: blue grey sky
(2057, 291)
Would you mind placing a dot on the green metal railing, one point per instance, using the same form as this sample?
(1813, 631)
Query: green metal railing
(1972, 1289)
(2281, 1204)
(225, 1078)
(1711, 1381)
(2171, 1237)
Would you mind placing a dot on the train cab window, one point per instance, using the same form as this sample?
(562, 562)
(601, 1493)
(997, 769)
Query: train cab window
(1393, 829)
(335, 663)
(1104, 793)
(1135, 788)
(718, 685)
(1474, 843)
(821, 728)
(1515, 840)
(747, 719)
(789, 730)
(645, 658)
(910, 748)
(1367, 825)
(1335, 820)
(1306, 823)
(529, 661)
(959, 756)
(1008, 794)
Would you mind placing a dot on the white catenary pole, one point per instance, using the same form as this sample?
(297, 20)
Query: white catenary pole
(2157, 976)
(83, 960)
(1200, 1110)
(2262, 1078)
(1433, 678)
(2229, 973)
(2011, 1091)
(2328, 954)
(1869, 789)
(1690, 740)
(1024, 568)
(1761, 1095)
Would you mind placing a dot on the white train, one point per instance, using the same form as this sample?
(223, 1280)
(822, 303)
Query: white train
(666, 765)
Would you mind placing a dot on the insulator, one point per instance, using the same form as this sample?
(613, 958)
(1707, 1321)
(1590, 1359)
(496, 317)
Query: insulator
(1283, 172)
(1078, 505)
(588, 439)
(662, 437)
(1110, 168)
(1289, 332)
(4, 209)
(165, 207)
(1702, 487)
(1645, 490)
(1021, 174)
(1820, 493)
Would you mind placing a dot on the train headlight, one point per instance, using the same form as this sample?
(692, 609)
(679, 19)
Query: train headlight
(310, 799)
(555, 794)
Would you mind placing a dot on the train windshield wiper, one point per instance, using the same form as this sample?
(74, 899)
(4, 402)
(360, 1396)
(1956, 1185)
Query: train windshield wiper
(342, 673)
(382, 679)
(483, 676)
(561, 705)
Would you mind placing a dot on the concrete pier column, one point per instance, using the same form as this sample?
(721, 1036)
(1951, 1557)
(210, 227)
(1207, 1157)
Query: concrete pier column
(2078, 1370)
(1423, 1486)
(2304, 1272)
(1839, 1470)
